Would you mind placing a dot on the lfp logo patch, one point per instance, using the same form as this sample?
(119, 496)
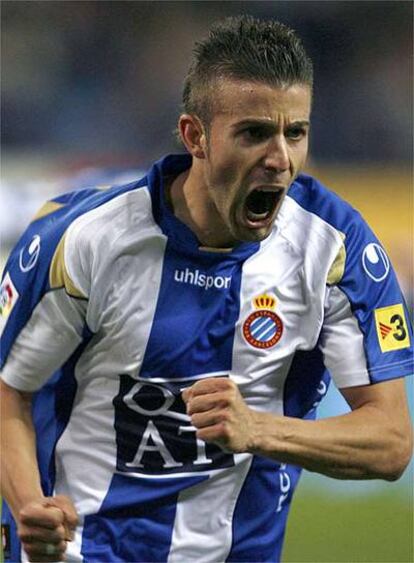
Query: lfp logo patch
(8, 296)
(391, 327)
(263, 328)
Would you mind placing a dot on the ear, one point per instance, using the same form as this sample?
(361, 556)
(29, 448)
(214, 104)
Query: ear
(193, 135)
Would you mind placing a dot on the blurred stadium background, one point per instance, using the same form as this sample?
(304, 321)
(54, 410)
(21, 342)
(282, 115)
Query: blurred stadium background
(91, 93)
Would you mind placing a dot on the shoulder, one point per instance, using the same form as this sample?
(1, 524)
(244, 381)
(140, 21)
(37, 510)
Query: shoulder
(92, 205)
(59, 245)
(97, 227)
(102, 214)
(317, 207)
(312, 197)
(324, 226)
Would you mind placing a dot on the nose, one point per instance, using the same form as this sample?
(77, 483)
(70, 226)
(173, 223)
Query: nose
(276, 158)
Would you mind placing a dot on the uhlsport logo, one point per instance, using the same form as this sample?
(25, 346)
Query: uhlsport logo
(201, 279)
(29, 254)
(375, 262)
(263, 328)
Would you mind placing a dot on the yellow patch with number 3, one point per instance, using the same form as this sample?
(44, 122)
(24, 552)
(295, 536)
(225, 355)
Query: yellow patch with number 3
(392, 328)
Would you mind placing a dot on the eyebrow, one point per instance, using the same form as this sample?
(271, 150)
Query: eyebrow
(269, 124)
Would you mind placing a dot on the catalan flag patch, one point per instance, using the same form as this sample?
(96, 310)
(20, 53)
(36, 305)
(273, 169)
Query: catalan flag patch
(391, 327)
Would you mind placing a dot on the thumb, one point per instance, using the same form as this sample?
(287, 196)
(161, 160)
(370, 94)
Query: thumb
(66, 505)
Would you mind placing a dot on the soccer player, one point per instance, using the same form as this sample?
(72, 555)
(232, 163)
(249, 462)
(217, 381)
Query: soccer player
(166, 342)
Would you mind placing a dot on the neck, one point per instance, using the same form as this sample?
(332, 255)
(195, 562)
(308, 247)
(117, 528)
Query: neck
(192, 204)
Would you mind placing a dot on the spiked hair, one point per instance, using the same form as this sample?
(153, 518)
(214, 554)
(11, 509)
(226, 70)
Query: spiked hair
(244, 48)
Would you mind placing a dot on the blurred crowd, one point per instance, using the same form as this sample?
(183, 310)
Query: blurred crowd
(106, 76)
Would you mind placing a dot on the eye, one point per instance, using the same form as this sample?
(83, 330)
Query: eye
(255, 134)
(295, 133)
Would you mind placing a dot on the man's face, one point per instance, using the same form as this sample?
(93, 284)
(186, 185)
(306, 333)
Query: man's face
(256, 146)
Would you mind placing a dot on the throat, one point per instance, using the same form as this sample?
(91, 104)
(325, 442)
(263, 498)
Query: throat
(190, 204)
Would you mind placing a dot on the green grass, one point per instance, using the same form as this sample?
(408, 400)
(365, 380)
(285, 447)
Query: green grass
(371, 528)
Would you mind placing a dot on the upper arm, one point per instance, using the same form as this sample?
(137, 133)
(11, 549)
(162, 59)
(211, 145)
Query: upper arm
(43, 305)
(389, 396)
(366, 335)
(386, 404)
(14, 403)
(367, 341)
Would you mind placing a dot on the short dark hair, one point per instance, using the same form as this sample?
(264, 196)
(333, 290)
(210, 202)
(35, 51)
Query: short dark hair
(245, 48)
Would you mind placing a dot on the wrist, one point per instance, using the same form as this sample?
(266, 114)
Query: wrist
(21, 499)
(268, 436)
(254, 443)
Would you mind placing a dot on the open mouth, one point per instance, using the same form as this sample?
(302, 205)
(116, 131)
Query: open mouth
(261, 203)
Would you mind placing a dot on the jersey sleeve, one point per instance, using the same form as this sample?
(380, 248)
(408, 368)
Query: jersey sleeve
(366, 335)
(44, 298)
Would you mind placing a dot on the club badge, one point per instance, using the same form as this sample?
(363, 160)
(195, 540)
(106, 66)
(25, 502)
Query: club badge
(263, 328)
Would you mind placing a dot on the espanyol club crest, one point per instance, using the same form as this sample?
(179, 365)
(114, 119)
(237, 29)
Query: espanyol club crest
(263, 328)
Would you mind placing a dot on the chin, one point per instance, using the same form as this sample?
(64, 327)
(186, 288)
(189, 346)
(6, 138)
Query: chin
(253, 235)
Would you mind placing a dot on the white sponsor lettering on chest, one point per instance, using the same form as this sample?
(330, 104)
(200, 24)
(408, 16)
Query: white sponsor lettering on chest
(201, 279)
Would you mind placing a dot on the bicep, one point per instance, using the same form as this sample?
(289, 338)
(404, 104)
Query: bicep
(14, 403)
(388, 400)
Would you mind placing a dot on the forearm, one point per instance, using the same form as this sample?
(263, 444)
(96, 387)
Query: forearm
(357, 445)
(372, 441)
(20, 479)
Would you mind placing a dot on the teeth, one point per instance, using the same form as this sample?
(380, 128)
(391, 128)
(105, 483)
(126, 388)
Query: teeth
(256, 216)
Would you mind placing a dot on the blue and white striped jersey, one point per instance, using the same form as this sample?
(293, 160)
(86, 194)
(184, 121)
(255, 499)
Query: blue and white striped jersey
(110, 308)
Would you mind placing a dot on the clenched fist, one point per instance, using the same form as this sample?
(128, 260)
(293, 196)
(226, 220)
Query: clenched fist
(220, 414)
(45, 526)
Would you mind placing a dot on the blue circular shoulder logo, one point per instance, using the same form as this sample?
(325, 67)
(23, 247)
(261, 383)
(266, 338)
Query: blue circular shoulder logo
(29, 254)
(375, 262)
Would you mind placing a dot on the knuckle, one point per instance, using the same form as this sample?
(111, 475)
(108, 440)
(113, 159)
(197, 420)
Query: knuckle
(202, 435)
(196, 387)
(73, 520)
(56, 514)
(29, 548)
(24, 536)
(59, 532)
(194, 404)
(233, 392)
(225, 401)
(228, 432)
(224, 418)
(23, 514)
(233, 386)
(224, 428)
